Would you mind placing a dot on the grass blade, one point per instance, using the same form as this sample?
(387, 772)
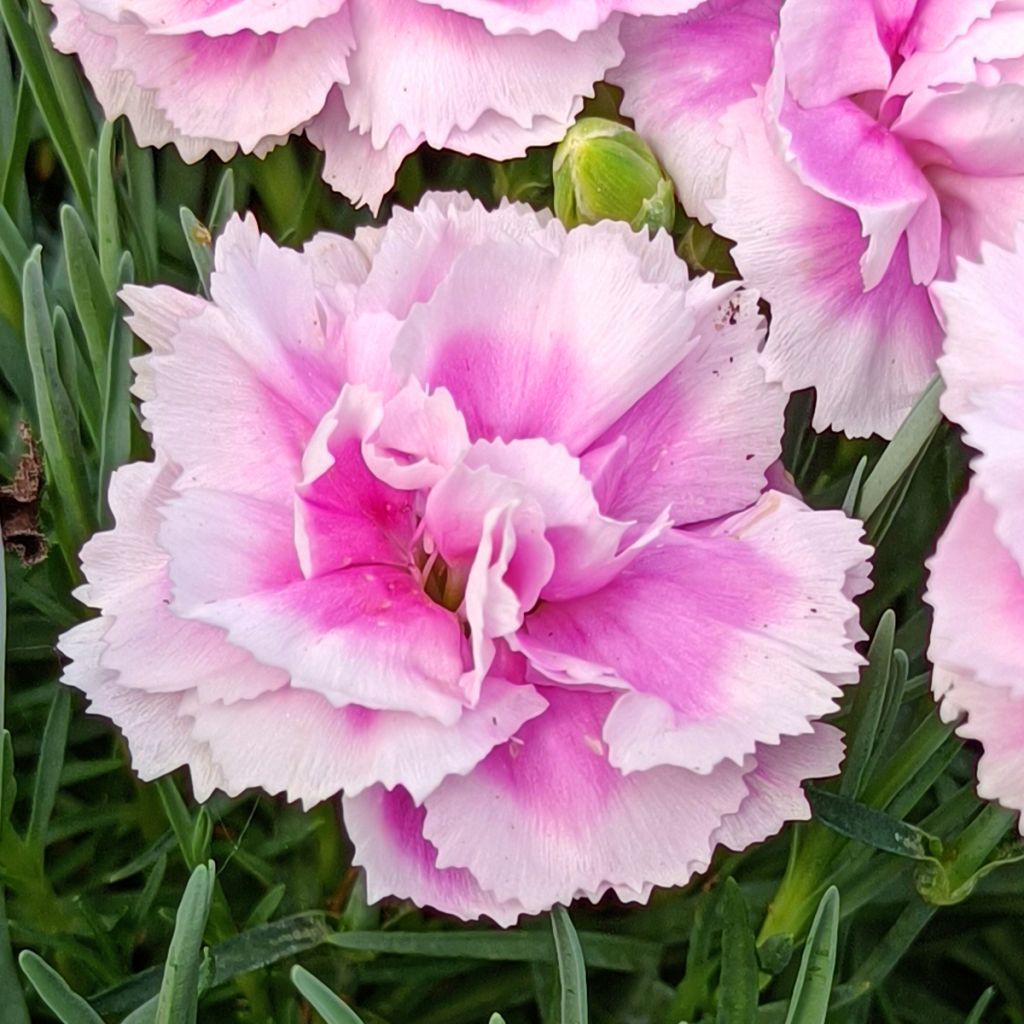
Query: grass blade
(572, 973)
(116, 432)
(51, 761)
(11, 996)
(70, 1007)
(869, 701)
(41, 69)
(738, 990)
(912, 437)
(331, 1007)
(179, 992)
(58, 421)
(809, 1004)
(976, 1014)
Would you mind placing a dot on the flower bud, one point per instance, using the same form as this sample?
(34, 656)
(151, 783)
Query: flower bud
(605, 171)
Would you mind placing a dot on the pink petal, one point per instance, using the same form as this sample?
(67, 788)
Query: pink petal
(977, 128)
(679, 77)
(387, 832)
(775, 793)
(238, 88)
(145, 646)
(995, 718)
(366, 635)
(833, 51)
(430, 71)
(117, 90)
(159, 735)
(419, 247)
(545, 818)
(701, 440)
(568, 18)
(420, 437)
(984, 372)
(319, 749)
(975, 210)
(217, 18)
(352, 165)
(977, 590)
(869, 354)
(550, 342)
(242, 368)
(727, 636)
(344, 514)
(845, 154)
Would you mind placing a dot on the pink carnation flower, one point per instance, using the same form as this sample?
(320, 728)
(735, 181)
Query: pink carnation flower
(467, 518)
(853, 150)
(369, 80)
(976, 584)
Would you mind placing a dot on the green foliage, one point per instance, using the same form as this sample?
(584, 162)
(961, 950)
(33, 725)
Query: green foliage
(902, 901)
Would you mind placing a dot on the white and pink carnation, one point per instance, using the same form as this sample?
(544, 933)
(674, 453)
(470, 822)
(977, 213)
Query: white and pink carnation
(467, 519)
(853, 151)
(368, 80)
(976, 581)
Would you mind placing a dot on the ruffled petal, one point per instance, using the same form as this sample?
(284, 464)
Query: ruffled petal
(869, 354)
(700, 441)
(557, 344)
(727, 636)
(538, 836)
(775, 792)
(366, 635)
(320, 750)
(430, 71)
(386, 829)
(983, 367)
(976, 588)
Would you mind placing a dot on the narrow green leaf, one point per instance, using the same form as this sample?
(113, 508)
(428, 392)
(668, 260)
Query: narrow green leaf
(977, 1014)
(178, 816)
(116, 434)
(8, 780)
(11, 996)
(108, 231)
(58, 421)
(239, 955)
(38, 62)
(602, 952)
(266, 907)
(77, 375)
(912, 437)
(869, 700)
(572, 973)
(200, 246)
(496, 1018)
(223, 204)
(738, 988)
(14, 149)
(70, 1007)
(853, 491)
(179, 991)
(51, 761)
(874, 828)
(809, 1003)
(88, 290)
(331, 1007)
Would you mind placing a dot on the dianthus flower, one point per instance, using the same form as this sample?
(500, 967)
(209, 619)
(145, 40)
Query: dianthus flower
(467, 518)
(368, 80)
(853, 151)
(976, 582)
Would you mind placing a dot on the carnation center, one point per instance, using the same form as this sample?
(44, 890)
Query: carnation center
(484, 529)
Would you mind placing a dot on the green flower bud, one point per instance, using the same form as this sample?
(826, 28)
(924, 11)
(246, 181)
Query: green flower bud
(605, 171)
